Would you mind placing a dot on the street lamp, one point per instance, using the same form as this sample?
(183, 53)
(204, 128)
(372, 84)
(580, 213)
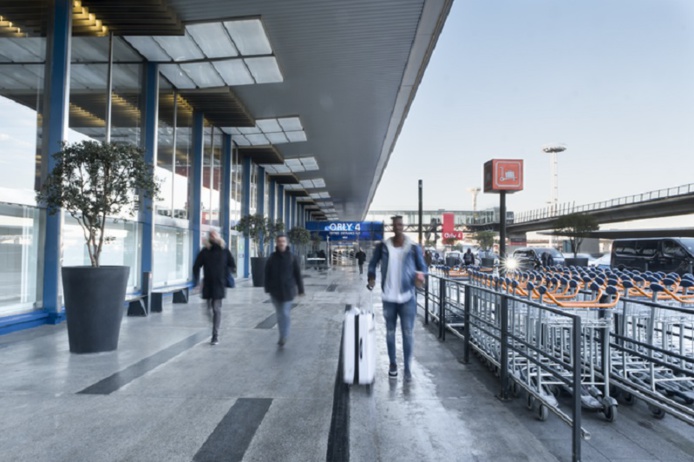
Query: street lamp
(553, 150)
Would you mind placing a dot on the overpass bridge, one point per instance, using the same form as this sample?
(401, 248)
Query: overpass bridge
(660, 203)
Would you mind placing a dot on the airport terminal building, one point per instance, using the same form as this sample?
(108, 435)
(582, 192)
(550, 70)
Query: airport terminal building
(242, 107)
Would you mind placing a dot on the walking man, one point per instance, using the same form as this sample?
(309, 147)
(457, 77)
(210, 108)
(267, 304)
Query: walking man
(282, 280)
(402, 268)
(216, 262)
(361, 258)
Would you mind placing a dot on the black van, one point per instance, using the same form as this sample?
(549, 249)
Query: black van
(667, 254)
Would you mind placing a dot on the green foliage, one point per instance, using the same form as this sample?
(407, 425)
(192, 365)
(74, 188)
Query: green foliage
(254, 227)
(299, 236)
(459, 247)
(576, 226)
(93, 181)
(485, 239)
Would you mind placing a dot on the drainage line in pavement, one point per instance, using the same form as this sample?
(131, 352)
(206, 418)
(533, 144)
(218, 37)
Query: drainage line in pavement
(338, 439)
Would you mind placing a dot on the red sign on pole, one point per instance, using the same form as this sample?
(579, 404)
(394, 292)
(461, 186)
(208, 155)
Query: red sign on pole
(448, 228)
(503, 175)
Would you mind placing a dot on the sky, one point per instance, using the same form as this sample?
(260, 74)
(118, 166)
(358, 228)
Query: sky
(613, 80)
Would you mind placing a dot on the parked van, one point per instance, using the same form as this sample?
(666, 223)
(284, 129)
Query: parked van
(667, 254)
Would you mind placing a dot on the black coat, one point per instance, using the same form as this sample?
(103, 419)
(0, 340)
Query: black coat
(283, 276)
(361, 257)
(216, 262)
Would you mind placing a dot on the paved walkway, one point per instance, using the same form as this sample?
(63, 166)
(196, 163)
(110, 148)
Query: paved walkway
(167, 395)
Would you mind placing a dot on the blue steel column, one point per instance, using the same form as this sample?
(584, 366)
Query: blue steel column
(246, 210)
(280, 205)
(272, 196)
(55, 119)
(260, 201)
(150, 147)
(287, 211)
(196, 195)
(225, 200)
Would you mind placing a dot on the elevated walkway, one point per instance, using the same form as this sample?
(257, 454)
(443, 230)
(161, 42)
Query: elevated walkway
(167, 395)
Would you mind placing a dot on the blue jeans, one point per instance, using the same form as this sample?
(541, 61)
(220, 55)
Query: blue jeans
(407, 312)
(283, 322)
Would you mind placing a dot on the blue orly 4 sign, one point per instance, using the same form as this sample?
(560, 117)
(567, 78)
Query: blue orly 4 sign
(347, 230)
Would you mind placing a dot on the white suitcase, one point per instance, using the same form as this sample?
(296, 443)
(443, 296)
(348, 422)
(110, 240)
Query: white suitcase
(358, 348)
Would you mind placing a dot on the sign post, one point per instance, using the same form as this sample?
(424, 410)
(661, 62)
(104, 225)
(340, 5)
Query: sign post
(503, 176)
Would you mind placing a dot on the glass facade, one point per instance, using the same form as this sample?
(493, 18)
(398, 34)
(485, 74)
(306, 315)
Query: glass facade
(19, 246)
(22, 64)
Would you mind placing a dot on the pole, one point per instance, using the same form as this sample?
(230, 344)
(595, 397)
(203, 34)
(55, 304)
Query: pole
(502, 232)
(420, 213)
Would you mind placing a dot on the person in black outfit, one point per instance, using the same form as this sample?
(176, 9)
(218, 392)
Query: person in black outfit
(282, 279)
(361, 258)
(216, 262)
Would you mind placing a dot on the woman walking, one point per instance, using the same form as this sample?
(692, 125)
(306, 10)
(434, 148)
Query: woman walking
(217, 264)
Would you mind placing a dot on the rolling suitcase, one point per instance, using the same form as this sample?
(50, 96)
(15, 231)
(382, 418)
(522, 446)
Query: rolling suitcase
(358, 347)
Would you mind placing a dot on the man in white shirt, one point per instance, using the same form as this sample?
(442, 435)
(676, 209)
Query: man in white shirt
(402, 269)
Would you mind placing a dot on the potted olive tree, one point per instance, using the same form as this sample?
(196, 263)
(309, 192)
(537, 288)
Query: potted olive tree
(576, 226)
(485, 239)
(255, 228)
(95, 182)
(299, 237)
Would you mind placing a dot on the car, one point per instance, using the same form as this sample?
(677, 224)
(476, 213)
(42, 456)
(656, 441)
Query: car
(602, 262)
(526, 258)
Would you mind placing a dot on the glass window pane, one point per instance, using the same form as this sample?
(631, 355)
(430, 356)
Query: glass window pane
(176, 76)
(264, 70)
(180, 48)
(203, 74)
(249, 37)
(148, 48)
(213, 40)
(234, 72)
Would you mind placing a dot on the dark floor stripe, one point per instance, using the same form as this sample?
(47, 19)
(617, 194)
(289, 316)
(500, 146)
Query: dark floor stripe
(140, 368)
(270, 321)
(338, 438)
(230, 440)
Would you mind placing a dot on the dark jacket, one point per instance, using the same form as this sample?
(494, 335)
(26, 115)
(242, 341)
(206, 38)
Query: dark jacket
(283, 276)
(216, 262)
(361, 257)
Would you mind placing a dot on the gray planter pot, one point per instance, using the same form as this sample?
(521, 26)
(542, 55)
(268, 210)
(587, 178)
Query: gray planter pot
(258, 271)
(487, 262)
(94, 305)
(576, 262)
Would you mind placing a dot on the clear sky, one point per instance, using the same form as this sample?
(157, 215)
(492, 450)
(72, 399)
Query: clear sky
(611, 79)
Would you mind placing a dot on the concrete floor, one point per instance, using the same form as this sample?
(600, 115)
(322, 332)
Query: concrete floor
(167, 395)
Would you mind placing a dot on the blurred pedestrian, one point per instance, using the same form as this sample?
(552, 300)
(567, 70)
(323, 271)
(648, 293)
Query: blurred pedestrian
(217, 264)
(361, 258)
(282, 281)
(402, 270)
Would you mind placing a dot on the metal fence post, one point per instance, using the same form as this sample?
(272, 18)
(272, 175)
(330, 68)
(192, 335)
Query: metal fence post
(466, 323)
(503, 362)
(442, 307)
(426, 300)
(576, 405)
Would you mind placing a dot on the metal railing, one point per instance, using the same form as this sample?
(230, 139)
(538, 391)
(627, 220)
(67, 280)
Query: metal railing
(568, 208)
(488, 323)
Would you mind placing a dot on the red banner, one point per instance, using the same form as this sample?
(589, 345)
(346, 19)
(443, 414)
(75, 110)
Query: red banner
(449, 231)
